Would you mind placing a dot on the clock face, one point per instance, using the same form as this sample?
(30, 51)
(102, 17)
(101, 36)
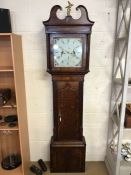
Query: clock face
(67, 52)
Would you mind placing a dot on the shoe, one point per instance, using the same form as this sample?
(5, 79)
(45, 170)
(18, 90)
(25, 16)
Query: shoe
(34, 169)
(42, 165)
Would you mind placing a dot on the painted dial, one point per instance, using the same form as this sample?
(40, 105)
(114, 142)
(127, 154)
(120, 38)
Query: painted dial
(67, 52)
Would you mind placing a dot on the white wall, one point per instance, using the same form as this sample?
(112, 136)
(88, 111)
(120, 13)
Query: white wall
(27, 17)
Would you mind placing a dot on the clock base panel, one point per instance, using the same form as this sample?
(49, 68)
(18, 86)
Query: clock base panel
(67, 156)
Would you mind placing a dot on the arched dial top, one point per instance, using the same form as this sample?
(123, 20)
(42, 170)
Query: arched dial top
(68, 20)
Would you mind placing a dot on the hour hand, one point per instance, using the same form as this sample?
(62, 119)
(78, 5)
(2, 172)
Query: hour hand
(73, 53)
(62, 53)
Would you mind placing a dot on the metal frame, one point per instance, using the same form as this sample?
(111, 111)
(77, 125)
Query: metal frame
(120, 74)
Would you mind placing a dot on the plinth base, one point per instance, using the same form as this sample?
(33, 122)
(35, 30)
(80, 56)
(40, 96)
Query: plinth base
(67, 156)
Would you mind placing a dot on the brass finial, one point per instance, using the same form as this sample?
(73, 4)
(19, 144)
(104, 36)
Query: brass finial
(69, 8)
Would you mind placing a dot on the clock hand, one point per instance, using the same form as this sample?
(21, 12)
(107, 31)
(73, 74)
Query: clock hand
(74, 52)
(62, 53)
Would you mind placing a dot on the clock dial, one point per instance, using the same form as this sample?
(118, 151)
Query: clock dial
(67, 52)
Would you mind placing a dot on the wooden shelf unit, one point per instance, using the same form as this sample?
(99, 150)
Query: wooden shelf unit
(10, 104)
(12, 76)
(17, 171)
(6, 127)
(6, 69)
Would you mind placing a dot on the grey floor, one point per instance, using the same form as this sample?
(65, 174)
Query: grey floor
(92, 168)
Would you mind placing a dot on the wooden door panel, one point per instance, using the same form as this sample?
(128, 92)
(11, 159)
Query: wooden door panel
(68, 111)
(68, 159)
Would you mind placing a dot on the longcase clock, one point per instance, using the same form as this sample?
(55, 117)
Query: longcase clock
(68, 47)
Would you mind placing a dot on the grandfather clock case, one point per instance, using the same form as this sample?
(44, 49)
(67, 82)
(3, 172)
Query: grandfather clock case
(68, 48)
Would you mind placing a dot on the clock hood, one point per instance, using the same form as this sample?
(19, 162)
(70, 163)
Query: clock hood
(68, 20)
